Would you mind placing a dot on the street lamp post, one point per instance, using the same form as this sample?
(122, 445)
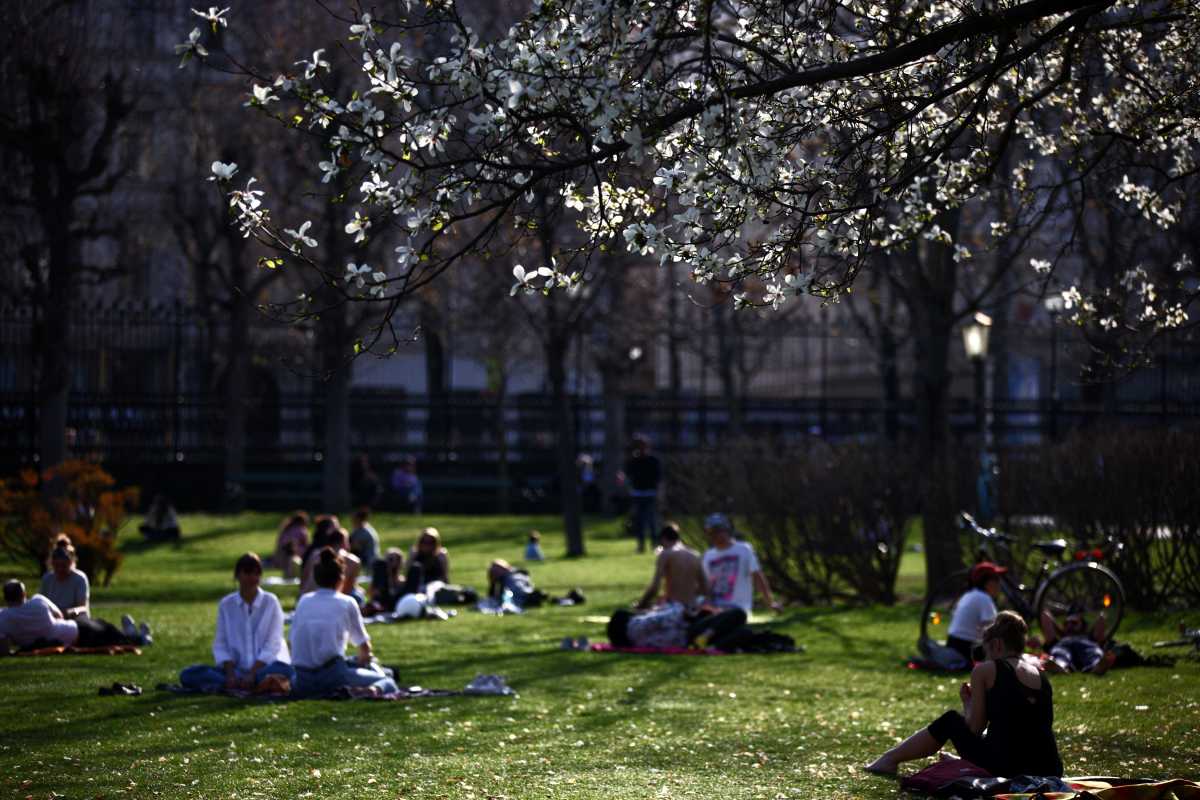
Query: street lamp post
(975, 343)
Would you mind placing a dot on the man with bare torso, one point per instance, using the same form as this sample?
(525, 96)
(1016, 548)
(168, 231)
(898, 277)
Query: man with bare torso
(680, 568)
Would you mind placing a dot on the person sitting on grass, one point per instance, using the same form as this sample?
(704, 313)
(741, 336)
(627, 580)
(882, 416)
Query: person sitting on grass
(248, 648)
(387, 582)
(732, 568)
(337, 538)
(291, 543)
(975, 610)
(680, 568)
(1009, 697)
(364, 540)
(671, 626)
(533, 547)
(324, 621)
(161, 523)
(37, 622)
(64, 585)
(1073, 647)
(428, 562)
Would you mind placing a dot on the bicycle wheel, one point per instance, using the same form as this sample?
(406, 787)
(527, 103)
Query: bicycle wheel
(1085, 588)
(939, 608)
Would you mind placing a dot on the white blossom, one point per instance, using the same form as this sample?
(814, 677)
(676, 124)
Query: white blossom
(222, 171)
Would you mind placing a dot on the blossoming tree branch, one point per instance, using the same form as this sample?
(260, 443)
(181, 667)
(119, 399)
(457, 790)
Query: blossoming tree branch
(773, 145)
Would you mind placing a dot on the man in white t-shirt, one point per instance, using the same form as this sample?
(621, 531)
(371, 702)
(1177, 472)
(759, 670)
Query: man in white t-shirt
(976, 609)
(732, 568)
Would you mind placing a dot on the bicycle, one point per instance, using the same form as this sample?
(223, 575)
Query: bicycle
(1187, 636)
(1081, 586)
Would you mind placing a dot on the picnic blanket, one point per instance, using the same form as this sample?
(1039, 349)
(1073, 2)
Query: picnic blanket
(481, 685)
(62, 650)
(605, 647)
(957, 777)
(344, 693)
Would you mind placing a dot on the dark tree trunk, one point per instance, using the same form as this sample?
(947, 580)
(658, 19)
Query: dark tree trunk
(337, 374)
(237, 380)
(675, 367)
(726, 355)
(556, 347)
(890, 374)
(500, 432)
(933, 316)
(612, 389)
(432, 334)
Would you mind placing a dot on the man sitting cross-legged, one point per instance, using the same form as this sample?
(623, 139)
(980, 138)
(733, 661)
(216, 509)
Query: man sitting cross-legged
(249, 649)
(680, 568)
(37, 621)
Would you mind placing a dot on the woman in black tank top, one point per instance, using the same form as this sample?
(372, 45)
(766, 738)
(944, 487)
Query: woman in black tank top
(1018, 717)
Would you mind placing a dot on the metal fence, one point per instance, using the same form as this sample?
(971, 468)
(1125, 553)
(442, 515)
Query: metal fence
(146, 389)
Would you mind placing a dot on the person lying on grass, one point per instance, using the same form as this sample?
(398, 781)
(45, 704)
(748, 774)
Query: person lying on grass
(1009, 697)
(1074, 647)
(36, 621)
(248, 649)
(671, 626)
(325, 620)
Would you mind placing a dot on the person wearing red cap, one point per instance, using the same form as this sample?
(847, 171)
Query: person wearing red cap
(976, 609)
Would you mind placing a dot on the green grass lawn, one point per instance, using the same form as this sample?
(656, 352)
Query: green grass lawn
(585, 725)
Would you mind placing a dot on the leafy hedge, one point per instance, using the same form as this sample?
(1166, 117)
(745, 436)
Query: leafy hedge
(1141, 488)
(827, 523)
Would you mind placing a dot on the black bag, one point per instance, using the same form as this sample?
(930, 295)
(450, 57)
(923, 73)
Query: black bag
(451, 595)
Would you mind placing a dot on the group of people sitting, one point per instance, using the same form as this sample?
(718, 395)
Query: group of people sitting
(1007, 717)
(59, 615)
(1071, 645)
(397, 583)
(695, 600)
(250, 652)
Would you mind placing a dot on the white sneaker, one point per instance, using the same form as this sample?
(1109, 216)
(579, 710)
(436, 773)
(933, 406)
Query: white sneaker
(128, 627)
(144, 631)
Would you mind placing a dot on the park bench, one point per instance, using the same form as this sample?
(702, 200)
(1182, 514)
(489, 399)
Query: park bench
(279, 489)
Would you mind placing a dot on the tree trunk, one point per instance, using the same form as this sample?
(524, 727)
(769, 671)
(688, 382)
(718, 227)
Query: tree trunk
(337, 373)
(673, 357)
(613, 391)
(564, 429)
(237, 377)
(933, 315)
(55, 339)
(437, 432)
(500, 432)
(890, 373)
(725, 369)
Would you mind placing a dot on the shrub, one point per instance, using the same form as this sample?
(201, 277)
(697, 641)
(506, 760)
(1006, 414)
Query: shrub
(1141, 488)
(76, 498)
(827, 523)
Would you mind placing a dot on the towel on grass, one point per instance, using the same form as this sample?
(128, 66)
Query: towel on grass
(62, 650)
